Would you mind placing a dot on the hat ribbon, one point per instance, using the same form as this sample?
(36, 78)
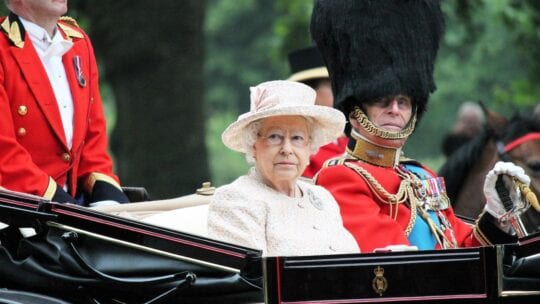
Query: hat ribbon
(260, 102)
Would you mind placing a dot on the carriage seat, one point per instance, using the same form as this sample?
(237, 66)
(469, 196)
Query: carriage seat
(136, 194)
(185, 213)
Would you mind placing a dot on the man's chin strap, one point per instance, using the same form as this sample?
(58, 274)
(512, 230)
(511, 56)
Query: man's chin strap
(367, 125)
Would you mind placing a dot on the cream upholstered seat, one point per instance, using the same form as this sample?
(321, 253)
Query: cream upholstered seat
(189, 219)
(185, 213)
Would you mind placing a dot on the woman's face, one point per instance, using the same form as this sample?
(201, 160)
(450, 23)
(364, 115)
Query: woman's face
(282, 149)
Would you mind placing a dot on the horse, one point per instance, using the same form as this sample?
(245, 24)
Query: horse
(516, 140)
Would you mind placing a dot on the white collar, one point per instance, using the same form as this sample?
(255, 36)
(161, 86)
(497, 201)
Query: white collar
(35, 31)
(41, 38)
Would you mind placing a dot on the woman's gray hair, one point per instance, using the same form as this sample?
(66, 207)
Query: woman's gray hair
(251, 132)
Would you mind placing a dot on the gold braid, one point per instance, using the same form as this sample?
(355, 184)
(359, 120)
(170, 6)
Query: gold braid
(437, 232)
(439, 235)
(364, 121)
(405, 194)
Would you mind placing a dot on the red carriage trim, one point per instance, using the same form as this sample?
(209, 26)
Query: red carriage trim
(154, 234)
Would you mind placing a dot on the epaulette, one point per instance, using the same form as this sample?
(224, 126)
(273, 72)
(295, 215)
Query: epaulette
(69, 20)
(330, 163)
(70, 27)
(407, 160)
(334, 161)
(14, 30)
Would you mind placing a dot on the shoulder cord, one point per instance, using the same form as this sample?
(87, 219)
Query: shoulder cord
(406, 194)
(437, 231)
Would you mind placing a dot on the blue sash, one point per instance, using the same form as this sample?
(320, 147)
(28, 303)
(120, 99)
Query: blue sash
(421, 236)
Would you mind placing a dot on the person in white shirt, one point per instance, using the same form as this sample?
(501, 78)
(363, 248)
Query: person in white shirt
(52, 126)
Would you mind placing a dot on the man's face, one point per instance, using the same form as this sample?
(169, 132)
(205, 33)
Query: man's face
(38, 9)
(324, 93)
(391, 113)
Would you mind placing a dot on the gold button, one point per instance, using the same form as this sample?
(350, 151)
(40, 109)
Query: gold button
(66, 157)
(22, 110)
(21, 132)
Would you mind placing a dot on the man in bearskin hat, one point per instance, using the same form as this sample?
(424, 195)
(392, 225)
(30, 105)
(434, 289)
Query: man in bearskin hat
(307, 66)
(380, 56)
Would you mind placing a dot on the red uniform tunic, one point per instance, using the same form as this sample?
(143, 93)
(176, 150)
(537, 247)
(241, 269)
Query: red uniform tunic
(368, 218)
(34, 155)
(326, 152)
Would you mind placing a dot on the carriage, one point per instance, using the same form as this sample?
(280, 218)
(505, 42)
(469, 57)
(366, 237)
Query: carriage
(56, 253)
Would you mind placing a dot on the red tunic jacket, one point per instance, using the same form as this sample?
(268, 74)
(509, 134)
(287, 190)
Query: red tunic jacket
(34, 157)
(326, 152)
(367, 218)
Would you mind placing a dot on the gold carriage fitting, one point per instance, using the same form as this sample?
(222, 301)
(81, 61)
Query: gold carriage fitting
(522, 209)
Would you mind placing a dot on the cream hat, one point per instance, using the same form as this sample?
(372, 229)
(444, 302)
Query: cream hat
(283, 98)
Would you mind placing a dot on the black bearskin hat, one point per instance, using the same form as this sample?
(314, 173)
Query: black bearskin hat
(375, 48)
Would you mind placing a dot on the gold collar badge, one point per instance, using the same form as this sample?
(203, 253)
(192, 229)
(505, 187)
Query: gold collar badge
(14, 32)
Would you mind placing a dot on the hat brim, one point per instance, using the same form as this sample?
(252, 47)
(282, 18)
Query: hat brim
(320, 72)
(330, 121)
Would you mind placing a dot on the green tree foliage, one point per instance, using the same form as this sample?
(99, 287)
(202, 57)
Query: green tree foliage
(481, 59)
(152, 53)
(239, 38)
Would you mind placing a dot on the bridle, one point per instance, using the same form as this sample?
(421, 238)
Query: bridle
(503, 149)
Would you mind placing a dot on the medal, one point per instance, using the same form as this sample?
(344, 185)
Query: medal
(78, 71)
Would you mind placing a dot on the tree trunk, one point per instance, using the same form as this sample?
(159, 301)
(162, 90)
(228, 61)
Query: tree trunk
(152, 54)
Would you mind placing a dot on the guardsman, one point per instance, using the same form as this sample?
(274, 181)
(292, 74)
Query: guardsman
(53, 139)
(380, 56)
(307, 66)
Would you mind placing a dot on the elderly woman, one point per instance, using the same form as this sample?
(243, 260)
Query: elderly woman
(270, 208)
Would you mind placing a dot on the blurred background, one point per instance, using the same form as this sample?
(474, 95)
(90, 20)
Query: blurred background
(175, 74)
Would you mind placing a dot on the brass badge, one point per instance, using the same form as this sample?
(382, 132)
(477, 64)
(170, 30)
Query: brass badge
(379, 282)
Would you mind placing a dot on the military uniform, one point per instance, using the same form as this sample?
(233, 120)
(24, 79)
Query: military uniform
(382, 79)
(375, 221)
(326, 152)
(35, 156)
(404, 204)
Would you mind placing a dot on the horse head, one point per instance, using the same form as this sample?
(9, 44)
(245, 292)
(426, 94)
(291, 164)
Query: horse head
(516, 140)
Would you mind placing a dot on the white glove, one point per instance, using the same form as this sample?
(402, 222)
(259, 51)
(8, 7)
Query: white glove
(494, 204)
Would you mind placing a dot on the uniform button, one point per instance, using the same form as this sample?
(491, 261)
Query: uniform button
(22, 110)
(66, 157)
(315, 227)
(21, 132)
(331, 248)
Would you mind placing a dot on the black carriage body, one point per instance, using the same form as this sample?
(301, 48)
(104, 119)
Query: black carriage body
(462, 275)
(495, 274)
(116, 259)
(84, 256)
